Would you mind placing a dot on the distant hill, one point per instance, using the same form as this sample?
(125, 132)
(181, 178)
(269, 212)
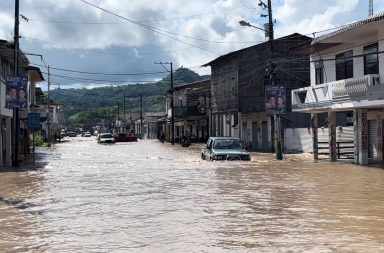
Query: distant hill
(85, 106)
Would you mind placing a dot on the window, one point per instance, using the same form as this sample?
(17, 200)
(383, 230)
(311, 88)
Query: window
(319, 69)
(344, 65)
(371, 59)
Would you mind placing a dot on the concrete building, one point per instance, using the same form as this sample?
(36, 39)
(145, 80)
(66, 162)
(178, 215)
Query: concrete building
(8, 126)
(191, 109)
(347, 71)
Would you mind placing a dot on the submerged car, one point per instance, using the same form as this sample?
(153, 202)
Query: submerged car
(224, 148)
(124, 137)
(105, 138)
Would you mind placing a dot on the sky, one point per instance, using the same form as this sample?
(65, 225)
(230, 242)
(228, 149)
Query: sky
(91, 43)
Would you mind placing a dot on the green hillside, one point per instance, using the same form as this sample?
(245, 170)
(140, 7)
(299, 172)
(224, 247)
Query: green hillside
(86, 106)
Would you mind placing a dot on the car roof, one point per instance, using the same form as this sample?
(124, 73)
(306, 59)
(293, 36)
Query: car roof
(224, 138)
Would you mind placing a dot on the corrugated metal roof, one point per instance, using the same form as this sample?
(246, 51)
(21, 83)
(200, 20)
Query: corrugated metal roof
(235, 53)
(371, 19)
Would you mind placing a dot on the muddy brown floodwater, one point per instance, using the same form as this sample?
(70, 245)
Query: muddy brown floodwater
(154, 197)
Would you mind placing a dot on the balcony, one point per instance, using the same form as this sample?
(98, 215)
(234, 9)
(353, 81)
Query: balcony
(180, 111)
(336, 95)
(188, 111)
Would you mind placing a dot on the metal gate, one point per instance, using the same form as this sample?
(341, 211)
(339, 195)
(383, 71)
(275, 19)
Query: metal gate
(372, 139)
(255, 145)
(264, 137)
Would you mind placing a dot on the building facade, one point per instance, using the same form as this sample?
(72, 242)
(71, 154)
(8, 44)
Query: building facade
(347, 69)
(9, 128)
(238, 88)
(191, 102)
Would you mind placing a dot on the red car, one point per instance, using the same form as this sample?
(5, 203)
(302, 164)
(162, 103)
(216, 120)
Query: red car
(124, 137)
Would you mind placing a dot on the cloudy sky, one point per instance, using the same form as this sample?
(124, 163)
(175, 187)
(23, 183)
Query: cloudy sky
(88, 43)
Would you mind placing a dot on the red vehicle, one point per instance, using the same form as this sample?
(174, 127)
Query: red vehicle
(124, 137)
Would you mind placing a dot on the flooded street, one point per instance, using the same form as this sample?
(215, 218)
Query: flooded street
(154, 197)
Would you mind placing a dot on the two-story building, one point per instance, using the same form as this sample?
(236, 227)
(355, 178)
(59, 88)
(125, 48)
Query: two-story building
(238, 86)
(347, 71)
(191, 110)
(8, 125)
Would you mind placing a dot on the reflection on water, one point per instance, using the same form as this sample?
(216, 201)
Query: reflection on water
(153, 197)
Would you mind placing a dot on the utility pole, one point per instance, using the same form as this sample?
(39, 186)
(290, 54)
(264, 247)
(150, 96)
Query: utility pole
(370, 9)
(172, 104)
(15, 161)
(277, 118)
(141, 114)
(49, 107)
(272, 73)
(125, 120)
(118, 117)
(172, 110)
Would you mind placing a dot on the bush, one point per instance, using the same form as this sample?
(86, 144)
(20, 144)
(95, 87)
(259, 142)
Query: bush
(39, 140)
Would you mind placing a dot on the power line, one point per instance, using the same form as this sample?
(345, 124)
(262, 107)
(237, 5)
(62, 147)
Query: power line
(144, 21)
(106, 74)
(104, 52)
(153, 29)
(97, 80)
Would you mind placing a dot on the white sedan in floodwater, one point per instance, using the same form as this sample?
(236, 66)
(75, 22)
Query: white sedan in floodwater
(105, 138)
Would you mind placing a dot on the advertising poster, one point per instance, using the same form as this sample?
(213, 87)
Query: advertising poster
(16, 88)
(275, 98)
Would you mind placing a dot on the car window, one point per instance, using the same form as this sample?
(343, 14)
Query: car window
(218, 144)
(227, 144)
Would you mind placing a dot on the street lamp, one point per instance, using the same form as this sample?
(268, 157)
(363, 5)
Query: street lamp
(245, 23)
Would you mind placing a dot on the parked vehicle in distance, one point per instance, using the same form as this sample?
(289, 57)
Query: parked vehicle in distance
(87, 134)
(71, 134)
(224, 148)
(105, 138)
(124, 137)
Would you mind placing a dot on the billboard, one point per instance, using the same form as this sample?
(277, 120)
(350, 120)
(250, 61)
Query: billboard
(16, 94)
(275, 98)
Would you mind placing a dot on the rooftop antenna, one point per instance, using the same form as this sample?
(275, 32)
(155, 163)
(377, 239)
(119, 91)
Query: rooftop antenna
(370, 11)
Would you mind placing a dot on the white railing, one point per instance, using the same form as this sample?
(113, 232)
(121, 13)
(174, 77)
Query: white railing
(347, 90)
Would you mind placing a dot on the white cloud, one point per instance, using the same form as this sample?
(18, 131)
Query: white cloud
(120, 46)
(306, 17)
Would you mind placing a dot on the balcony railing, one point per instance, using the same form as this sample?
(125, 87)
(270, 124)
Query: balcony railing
(325, 95)
(188, 111)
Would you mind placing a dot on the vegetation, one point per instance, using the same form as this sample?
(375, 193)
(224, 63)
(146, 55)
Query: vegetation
(84, 107)
(38, 140)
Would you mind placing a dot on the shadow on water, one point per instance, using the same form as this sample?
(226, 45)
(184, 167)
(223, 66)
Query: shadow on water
(33, 162)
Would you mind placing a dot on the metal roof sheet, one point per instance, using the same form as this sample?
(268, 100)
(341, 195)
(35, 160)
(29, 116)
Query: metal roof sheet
(374, 18)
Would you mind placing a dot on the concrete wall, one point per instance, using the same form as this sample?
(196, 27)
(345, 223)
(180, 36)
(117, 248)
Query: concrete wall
(300, 139)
